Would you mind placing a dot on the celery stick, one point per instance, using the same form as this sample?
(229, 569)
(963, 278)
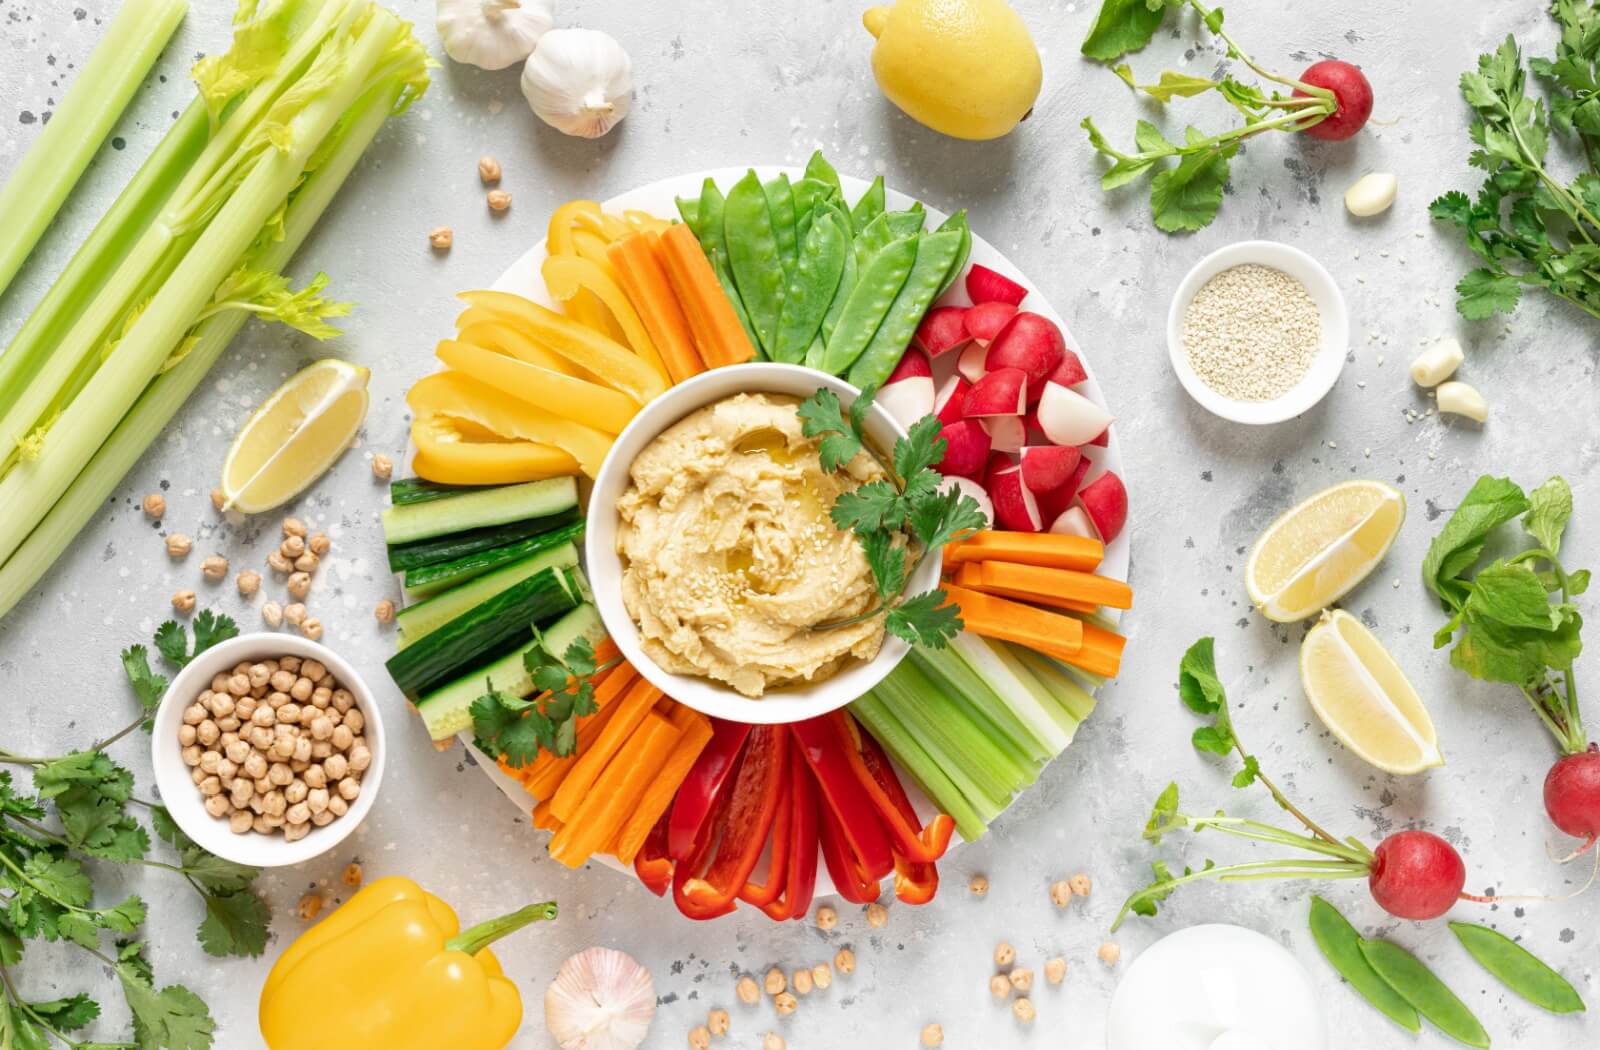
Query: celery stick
(947, 668)
(918, 765)
(1015, 686)
(976, 779)
(1004, 771)
(1053, 676)
(168, 392)
(52, 166)
(951, 706)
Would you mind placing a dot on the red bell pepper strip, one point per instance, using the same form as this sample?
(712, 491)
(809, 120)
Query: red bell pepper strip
(761, 894)
(652, 864)
(914, 883)
(920, 845)
(704, 845)
(801, 873)
(828, 751)
(700, 789)
(850, 880)
(752, 808)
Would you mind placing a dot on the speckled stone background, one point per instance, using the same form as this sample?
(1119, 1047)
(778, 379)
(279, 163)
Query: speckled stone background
(721, 83)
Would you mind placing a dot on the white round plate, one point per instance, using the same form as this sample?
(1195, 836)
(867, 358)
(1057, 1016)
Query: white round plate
(660, 199)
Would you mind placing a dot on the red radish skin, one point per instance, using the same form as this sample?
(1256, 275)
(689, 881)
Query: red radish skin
(908, 393)
(1352, 93)
(1105, 500)
(1006, 433)
(1014, 506)
(943, 329)
(986, 286)
(914, 364)
(1063, 501)
(973, 363)
(1000, 392)
(1416, 875)
(1572, 795)
(1103, 441)
(1070, 372)
(1031, 343)
(950, 403)
(1074, 523)
(966, 448)
(987, 320)
(1045, 468)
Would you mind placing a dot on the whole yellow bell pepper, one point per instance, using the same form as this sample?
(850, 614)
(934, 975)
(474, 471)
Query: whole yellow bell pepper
(392, 968)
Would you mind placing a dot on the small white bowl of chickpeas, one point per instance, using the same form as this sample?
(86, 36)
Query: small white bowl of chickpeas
(268, 749)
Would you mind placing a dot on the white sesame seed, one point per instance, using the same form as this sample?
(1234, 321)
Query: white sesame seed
(1251, 332)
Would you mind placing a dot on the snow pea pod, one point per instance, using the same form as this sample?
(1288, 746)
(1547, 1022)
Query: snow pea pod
(690, 211)
(819, 169)
(809, 196)
(1407, 974)
(869, 207)
(877, 285)
(935, 253)
(709, 228)
(752, 250)
(871, 240)
(958, 221)
(841, 295)
(905, 223)
(1518, 969)
(780, 201)
(1341, 946)
(810, 288)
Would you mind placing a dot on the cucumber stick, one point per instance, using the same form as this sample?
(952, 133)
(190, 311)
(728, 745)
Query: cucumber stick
(427, 580)
(421, 490)
(475, 541)
(582, 622)
(411, 522)
(416, 622)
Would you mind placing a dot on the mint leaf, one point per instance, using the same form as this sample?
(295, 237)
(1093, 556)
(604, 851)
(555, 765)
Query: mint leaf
(1549, 509)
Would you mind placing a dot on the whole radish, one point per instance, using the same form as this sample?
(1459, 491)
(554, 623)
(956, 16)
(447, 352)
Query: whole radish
(1572, 795)
(1416, 875)
(1351, 90)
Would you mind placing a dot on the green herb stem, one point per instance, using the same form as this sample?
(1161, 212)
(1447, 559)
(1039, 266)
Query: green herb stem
(1284, 868)
(1234, 50)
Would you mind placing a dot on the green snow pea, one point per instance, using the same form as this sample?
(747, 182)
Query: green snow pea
(819, 169)
(1341, 946)
(709, 210)
(871, 239)
(1518, 969)
(809, 197)
(841, 295)
(811, 287)
(753, 257)
(958, 221)
(780, 201)
(869, 207)
(1407, 974)
(905, 223)
(690, 211)
(877, 285)
(935, 253)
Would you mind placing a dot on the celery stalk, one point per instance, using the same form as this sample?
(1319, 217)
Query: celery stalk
(974, 779)
(946, 668)
(168, 392)
(1072, 697)
(919, 703)
(1015, 686)
(52, 166)
(919, 765)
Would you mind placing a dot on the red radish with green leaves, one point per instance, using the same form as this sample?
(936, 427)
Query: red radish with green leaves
(1352, 94)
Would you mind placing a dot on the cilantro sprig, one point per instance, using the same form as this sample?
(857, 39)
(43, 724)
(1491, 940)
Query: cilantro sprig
(78, 816)
(517, 728)
(903, 515)
(1513, 620)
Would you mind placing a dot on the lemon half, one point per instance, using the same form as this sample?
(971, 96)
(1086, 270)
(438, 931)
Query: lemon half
(1315, 553)
(295, 436)
(1362, 696)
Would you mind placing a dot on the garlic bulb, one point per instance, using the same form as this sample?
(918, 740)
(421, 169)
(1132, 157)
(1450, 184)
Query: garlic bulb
(601, 999)
(493, 34)
(579, 81)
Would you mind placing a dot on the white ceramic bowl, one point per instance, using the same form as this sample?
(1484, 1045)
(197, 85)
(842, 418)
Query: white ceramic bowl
(1325, 367)
(183, 799)
(605, 568)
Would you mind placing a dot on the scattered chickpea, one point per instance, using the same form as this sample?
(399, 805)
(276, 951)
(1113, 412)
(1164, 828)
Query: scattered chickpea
(877, 915)
(999, 986)
(700, 1037)
(312, 628)
(272, 614)
(319, 544)
(499, 200)
(249, 582)
(1061, 893)
(800, 981)
(718, 1022)
(214, 568)
(845, 961)
(979, 886)
(384, 611)
(183, 601)
(932, 1035)
(1110, 952)
(822, 976)
(292, 547)
(772, 1041)
(279, 564)
(488, 170)
(307, 563)
(1004, 954)
(440, 237)
(179, 545)
(1022, 1010)
(155, 505)
(351, 875)
(785, 1003)
(747, 990)
(219, 500)
(1055, 971)
(1022, 980)
(775, 982)
(1081, 885)
(382, 467)
(294, 527)
(310, 906)
(827, 918)
(299, 584)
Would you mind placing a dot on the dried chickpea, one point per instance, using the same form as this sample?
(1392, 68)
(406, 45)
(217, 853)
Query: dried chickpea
(440, 238)
(299, 584)
(1055, 970)
(384, 611)
(822, 976)
(382, 467)
(775, 982)
(1110, 952)
(295, 613)
(240, 821)
(183, 601)
(845, 961)
(785, 1003)
(249, 582)
(999, 986)
(186, 735)
(155, 505)
(1081, 885)
(310, 906)
(1061, 893)
(217, 805)
(747, 990)
(718, 1022)
(800, 981)
(498, 200)
(349, 789)
(351, 875)
(214, 568)
(219, 499)
(700, 1037)
(772, 1041)
(1022, 980)
(978, 886)
(488, 170)
(877, 915)
(1004, 954)
(932, 1035)
(179, 545)
(827, 918)
(319, 544)
(1022, 1010)
(294, 527)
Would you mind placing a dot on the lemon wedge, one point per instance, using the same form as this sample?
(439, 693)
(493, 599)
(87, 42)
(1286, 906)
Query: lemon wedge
(1363, 697)
(1315, 553)
(295, 436)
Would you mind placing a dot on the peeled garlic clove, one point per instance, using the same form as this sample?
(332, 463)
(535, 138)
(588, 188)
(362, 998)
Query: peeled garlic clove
(579, 81)
(601, 999)
(1460, 399)
(1371, 195)
(1438, 363)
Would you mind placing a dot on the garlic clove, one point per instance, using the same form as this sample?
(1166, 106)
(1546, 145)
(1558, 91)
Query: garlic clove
(1462, 399)
(1371, 195)
(493, 34)
(601, 999)
(1437, 363)
(579, 81)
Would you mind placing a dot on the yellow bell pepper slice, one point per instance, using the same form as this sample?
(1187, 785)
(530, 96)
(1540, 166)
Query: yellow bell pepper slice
(644, 222)
(583, 346)
(461, 397)
(583, 402)
(566, 275)
(562, 220)
(470, 328)
(459, 452)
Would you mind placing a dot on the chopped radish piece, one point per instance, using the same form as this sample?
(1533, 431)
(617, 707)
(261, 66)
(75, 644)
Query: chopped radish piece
(967, 448)
(1031, 343)
(1006, 433)
(1070, 371)
(1054, 503)
(1014, 506)
(1103, 441)
(1046, 468)
(973, 361)
(950, 403)
(1074, 522)
(943, 329)
(1069, 418)
(968, 487)
(986, 286)
(914, 364)
(985, 320)
(907, 394)
(999, 393)
(1105, 500)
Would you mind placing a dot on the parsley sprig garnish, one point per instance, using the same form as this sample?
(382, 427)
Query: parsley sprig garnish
(902, 514)
(517, 728)
(80, 815)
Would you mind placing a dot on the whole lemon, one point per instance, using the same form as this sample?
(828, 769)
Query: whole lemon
(967, 68)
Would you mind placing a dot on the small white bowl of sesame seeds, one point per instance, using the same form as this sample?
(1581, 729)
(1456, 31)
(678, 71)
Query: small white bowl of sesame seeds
(1258, 332)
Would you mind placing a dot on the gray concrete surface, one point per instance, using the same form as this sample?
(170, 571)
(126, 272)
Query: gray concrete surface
(723, 84)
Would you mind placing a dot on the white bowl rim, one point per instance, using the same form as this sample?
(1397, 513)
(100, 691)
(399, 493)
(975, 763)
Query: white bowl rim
(1325, 367)
(791, 704)
(183, 800)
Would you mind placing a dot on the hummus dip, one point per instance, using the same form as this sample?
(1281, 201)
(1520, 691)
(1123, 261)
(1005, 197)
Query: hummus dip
(729, 556)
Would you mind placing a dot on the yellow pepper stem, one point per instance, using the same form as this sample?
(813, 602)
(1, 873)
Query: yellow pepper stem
(479, 937)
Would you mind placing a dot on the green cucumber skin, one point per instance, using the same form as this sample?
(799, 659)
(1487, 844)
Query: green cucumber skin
(416, 622)
(428, 580)
(447, 710)
(476, 541)
(501, 505)
(407, 491)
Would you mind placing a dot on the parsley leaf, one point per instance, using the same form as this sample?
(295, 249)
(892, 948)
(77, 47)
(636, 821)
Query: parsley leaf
(928, 619)
(211, 628)
(504, 728)
(874, 507)
(67, 1014)
(822, 417)
(147, 686)
(235, 924)
(516, 729)
(887, 560)
(173, 1018)
(173, 642)
(921, 449)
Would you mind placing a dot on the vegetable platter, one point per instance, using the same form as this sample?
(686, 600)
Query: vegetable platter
(1049, 713)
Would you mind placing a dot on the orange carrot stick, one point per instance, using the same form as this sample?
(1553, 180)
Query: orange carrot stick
(543, 819)
(548, 770)
(631, 710)
(1085, 587)
(658, 796)
(1046, 549)
(616, 792)
(722, 338)
(1101, 652)
(642, 278)
(1010, 621)
(970, 574)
